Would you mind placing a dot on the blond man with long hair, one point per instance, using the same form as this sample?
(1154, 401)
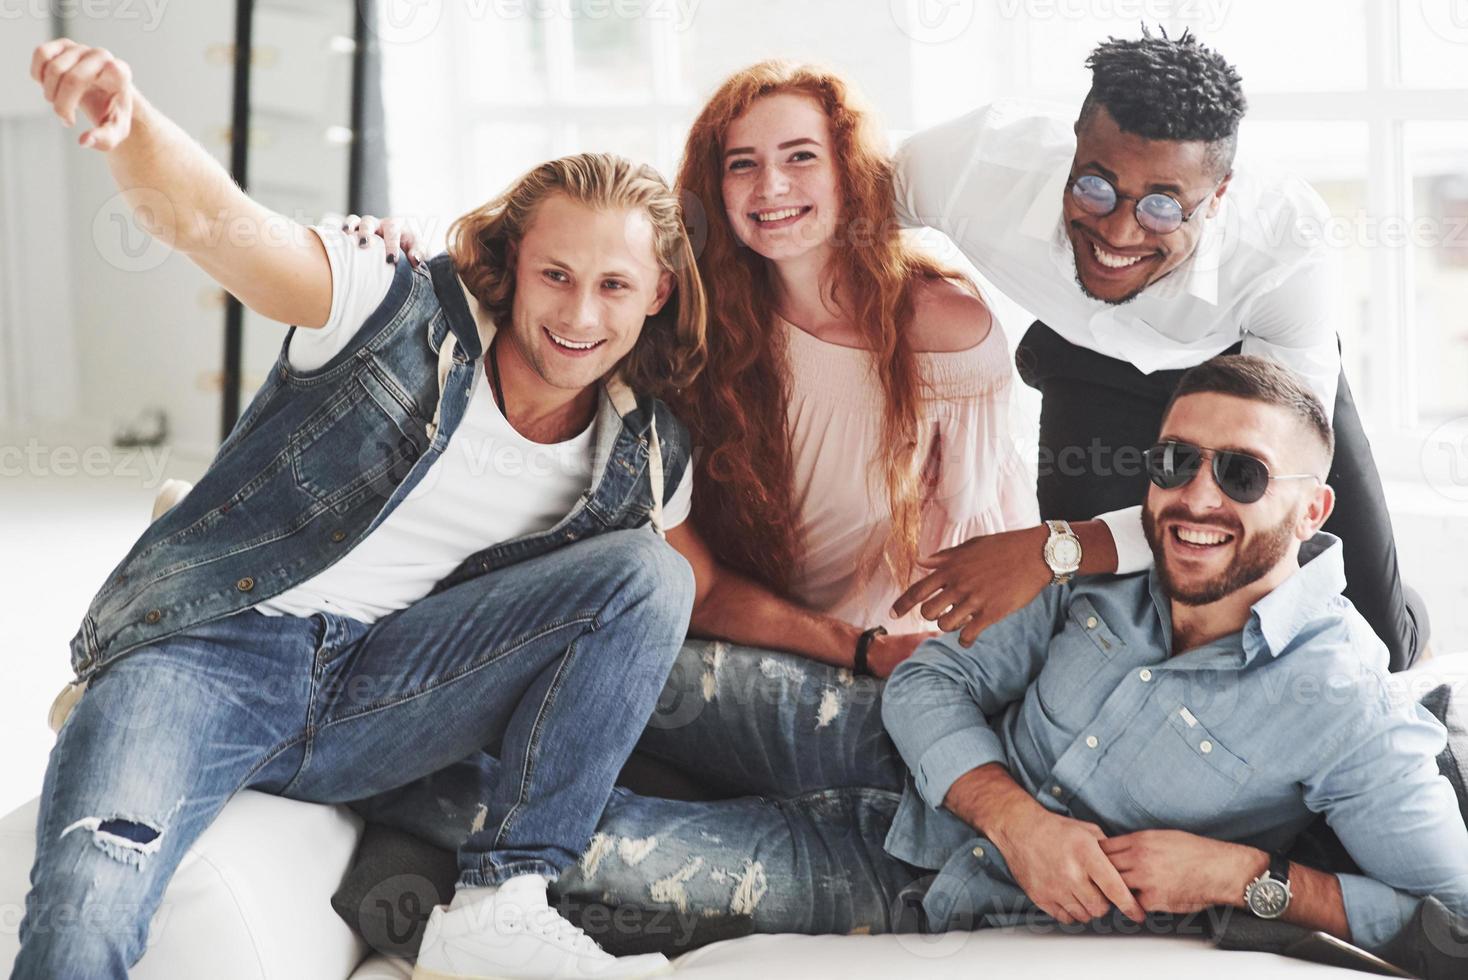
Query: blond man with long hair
(439, 526)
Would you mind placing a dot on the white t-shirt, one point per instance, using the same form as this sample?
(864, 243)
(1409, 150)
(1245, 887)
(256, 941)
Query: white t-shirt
(491, 484)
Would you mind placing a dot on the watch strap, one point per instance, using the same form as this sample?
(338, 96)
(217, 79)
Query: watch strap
(859, 664)
(1279, 867)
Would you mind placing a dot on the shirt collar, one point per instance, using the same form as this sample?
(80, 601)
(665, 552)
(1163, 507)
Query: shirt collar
(1277, 619)
(1197, 277)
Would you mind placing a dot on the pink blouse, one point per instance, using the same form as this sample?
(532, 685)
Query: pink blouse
(982, 484)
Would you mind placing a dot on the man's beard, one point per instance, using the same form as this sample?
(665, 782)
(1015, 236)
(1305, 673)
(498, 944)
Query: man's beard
(1110, 302)
(1253, 559)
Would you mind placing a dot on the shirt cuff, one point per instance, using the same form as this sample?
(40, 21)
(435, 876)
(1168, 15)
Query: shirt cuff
(1133, 553)
(1374, 911)
(952, 756)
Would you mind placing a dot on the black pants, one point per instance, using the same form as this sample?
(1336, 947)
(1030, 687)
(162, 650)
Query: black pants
(1097, 414)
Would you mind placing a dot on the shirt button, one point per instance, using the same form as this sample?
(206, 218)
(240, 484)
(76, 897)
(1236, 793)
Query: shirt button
(1090, 622)
(979, 853)
(153, 616)
(1092, 741)
(245, 584)
(1054, 790)
(1145, 675)
(338, 536)
(1205, 746)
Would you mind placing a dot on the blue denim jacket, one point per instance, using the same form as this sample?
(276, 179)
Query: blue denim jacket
(319, 459)
(1245, 739)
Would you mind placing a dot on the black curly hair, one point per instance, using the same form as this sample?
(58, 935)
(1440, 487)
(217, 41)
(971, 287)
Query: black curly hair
(1164, 88)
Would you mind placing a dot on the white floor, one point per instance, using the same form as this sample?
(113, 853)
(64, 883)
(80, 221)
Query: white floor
(69, 510)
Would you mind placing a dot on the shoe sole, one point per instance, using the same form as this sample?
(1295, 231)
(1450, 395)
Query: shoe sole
(420, 973)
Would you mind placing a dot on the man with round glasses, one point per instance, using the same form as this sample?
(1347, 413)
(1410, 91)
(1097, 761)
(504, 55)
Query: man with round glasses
(1143, 252)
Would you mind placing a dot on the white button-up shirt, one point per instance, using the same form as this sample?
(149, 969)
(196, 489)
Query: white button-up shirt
(994, 181)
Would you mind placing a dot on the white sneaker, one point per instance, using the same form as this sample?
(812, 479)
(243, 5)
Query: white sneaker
(504, 938)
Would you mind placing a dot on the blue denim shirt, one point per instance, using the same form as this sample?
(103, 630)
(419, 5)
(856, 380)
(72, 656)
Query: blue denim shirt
(1244, 739)
(320, 458)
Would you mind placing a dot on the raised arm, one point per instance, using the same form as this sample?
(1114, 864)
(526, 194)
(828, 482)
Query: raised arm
(180, 195)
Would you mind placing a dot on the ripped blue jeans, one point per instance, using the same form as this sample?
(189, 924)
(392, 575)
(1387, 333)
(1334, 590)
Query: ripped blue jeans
(801, 850)
(553, 665)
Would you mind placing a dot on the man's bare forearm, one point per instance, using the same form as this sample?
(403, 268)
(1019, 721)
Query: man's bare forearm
(177, 191)
(1098, 550)
(989, 800)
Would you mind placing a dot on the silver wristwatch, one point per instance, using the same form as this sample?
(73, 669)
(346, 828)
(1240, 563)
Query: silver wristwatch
(1268, 895)
(1062, 552)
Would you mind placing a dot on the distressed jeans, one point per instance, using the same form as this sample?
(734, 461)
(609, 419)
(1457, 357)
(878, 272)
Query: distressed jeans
(553, 665)
(801, 850)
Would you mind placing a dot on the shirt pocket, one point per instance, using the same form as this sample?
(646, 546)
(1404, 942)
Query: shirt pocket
(1184, 778)
(1071, 686)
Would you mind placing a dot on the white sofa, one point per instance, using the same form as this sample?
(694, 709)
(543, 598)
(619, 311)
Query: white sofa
(251, 901)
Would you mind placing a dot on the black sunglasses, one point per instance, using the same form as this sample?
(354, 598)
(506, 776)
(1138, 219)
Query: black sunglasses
(1243, 478)
(1157, 213)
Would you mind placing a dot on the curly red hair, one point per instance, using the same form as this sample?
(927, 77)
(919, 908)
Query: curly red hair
(736, 410)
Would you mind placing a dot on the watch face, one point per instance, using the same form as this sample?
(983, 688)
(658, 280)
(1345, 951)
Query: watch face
(1268, 899)
(1066, 553)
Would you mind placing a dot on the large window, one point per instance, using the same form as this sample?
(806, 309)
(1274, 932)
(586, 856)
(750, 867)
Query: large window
(1366, 99)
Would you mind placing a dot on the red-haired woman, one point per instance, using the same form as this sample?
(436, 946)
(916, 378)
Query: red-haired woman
(852, 418)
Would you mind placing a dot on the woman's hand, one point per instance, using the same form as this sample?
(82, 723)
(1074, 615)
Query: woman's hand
(396, 236)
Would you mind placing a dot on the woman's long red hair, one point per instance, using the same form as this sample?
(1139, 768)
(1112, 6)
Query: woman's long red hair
(736, 410)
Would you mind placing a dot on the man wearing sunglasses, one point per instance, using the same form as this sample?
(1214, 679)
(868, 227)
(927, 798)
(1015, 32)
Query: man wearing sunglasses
(1180, 728)
(1143, 252)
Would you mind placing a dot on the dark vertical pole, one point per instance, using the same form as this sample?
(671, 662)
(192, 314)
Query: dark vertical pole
(239, 157)
(367, 160)
(362, 35)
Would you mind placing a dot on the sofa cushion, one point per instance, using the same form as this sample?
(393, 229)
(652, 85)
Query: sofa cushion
(962, 956)
(250, 899)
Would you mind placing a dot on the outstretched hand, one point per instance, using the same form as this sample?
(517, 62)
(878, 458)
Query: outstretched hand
(76, 76)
